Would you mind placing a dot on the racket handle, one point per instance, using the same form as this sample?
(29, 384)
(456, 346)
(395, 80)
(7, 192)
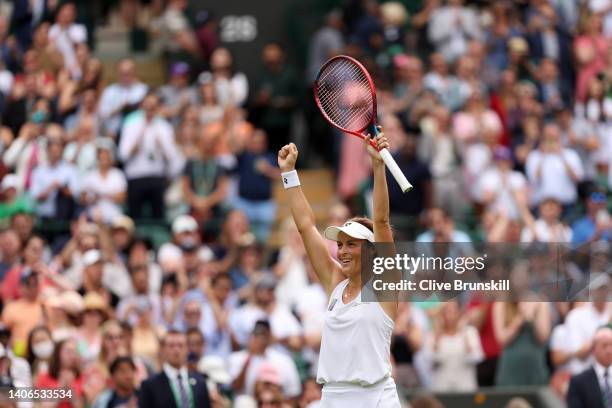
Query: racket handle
(395, 170)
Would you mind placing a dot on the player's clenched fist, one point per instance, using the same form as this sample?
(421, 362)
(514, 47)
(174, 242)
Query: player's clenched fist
(287, 156)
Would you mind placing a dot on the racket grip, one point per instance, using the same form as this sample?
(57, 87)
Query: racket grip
(395, 170)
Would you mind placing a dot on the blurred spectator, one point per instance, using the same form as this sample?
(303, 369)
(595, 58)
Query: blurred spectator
(55, 185)
(441, 228)
(97, 374)
(276, 96)
(418, 174)
(33, 250)
(93, 280)
(451, 27)
(204, 179)
(207, 32)
(245, 365)
(28, 149)
(552, 170)
(549, 39)
(591, 48)
(123, 372)
(456, 351)
(548, 227)
(285, 328)
(210, 109)
(583, 321)
(177, 95)
(149, 153)
(52, 59)
(20, 371)
(522, 329)
(28, 14)
(438, 148)
(13, 202)
(325, 43)
(89, 339)
(64, 372)
(592, 387)
(291, 266)
(179, 40)
(131, 307)
(451, 91)
(65, 34)
(40, 349)
(595, 224)
(63, 313)
(553, 92)
(268, 387)
(82, 152)
(120, 98)
(480, 315)
(504, 191)
(581, 135)
(145, 336)
(174, 385)
(11, 251)
(256, 170)
(407, 340)
(231, 86)
(104, 189)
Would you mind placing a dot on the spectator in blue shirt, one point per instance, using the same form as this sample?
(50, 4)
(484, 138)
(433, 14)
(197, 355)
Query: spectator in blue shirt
(595, 225)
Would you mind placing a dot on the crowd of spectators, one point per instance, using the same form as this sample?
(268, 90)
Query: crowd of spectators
(499, 113)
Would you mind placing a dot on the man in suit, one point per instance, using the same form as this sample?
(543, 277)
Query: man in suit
(593, 387)
(174, 386)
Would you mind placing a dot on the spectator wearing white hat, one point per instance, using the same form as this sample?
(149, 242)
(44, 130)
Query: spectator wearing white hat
(94, 277)
(186, 239)
(63, 312)
(12, 201)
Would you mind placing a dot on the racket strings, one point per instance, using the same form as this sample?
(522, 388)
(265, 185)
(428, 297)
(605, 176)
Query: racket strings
(345, 95)
(350, 80)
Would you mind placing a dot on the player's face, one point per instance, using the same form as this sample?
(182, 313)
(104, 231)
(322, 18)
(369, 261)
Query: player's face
(349, 254)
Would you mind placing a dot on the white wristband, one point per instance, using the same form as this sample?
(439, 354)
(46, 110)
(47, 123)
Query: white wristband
(290, 179)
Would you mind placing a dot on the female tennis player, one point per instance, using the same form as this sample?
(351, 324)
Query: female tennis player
(354, 361)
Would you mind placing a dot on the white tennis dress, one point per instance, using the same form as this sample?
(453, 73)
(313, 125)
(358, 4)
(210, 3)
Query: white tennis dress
(354, 361)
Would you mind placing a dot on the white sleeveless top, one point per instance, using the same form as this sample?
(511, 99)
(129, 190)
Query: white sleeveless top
(355, 345)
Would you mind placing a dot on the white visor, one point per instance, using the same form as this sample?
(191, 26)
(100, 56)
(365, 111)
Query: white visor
(350, 228)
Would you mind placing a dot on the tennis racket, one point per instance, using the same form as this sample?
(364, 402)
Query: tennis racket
(346, 96)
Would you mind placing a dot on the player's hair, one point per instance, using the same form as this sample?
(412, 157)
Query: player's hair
(365, 221)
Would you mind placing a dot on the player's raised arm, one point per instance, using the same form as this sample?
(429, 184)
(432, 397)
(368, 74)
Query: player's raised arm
(380, 200)
(323, 264)
(380, 216)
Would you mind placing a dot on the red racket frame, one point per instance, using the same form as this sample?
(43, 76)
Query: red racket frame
(357, 133)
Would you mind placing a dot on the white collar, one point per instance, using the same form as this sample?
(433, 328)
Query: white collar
(172, 373)
(601, 371)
